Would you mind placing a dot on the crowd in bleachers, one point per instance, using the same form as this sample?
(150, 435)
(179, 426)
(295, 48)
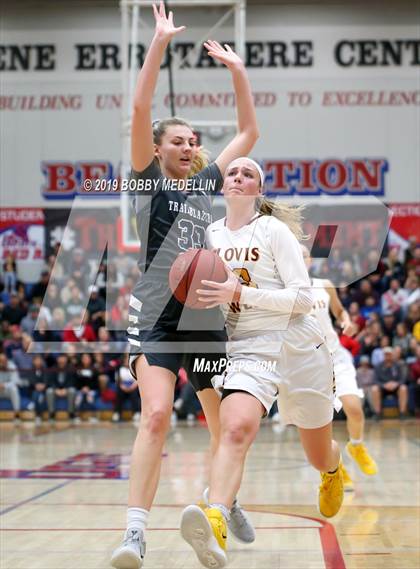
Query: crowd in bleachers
(51, 314)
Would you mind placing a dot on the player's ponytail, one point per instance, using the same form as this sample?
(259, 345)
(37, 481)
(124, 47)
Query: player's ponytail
(201, 159)
(290, 215)
(200, 162)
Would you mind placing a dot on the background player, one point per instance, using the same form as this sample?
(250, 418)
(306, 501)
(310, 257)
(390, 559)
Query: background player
(326, 300)
(175, 222)
(267, 324)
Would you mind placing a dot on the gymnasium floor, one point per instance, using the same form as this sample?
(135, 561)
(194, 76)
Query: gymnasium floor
(63, 493)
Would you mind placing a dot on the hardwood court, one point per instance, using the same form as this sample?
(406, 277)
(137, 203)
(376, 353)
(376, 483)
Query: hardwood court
(63, 493)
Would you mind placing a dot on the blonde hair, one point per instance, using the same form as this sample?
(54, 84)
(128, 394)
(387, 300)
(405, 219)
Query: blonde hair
(292, 216)
(160, 127)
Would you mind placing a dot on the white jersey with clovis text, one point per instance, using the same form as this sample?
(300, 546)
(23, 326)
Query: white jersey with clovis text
(321, 310)
(266, 257)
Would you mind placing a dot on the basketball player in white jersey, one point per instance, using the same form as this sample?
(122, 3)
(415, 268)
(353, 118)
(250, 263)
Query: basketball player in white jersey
(275, 350)
(325, 300)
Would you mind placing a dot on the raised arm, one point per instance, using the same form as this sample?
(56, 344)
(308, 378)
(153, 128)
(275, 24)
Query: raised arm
(247, 133)
(142, 149)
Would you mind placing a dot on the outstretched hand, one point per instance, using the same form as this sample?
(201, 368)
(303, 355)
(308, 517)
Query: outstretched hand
(165, 24)
(225, 54)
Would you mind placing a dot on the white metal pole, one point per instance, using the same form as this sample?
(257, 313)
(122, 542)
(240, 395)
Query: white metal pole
(240, 28)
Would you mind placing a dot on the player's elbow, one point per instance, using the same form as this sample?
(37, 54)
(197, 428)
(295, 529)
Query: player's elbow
(252, 133)
(304, 301)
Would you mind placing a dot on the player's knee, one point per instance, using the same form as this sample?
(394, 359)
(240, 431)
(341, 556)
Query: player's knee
(375, 389)
(354, 410)
(156, 420)
(403, 389)
(239, 433)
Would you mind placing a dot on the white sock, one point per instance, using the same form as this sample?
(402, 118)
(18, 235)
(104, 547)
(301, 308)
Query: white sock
(222, 508)
(356, 441)
(137, 519)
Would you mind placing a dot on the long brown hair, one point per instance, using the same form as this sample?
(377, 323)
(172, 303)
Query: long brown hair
(292, 216)
(160, 127)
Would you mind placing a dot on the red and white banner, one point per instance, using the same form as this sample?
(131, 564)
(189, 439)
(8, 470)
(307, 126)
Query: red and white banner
(406, 220)
(22, 233)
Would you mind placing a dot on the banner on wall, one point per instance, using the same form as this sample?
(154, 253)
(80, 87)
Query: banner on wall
(92, 230)
(406, 219)
(337, 106)
(22, 234)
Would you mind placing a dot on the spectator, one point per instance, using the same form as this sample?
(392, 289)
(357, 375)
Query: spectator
(335, 265)
(368, 343)
(96, 304)
(378, 354)
(414, 262)
(409, 253)
(28, 323)
(13, 343)
(38, 386)
(389, 323)
(87, 385)
(127, 389)
(39, 289)
(355, 316)
(22, 358)
(119, 314)
(61, 385)
(15, 312)
(393, 299)
(10, 274)
(43, 333)
(77, 262)
(106, 377)
(364, 292)
(402, 338)
(76, 303)
(105, 347)
(79, 268)
(376, 267)
(370, 307)
(9, 383)
(365, 377)
(5, 331)
(55, 268)
(115, 281)
(78, 330)
(52, 298)
(388, 381)
(344, 295)
(412, 288)
(58, 322)
(401, 363)
(66, 291)
(394, 265)
(412, 320)
(414, 383)
(101, 279)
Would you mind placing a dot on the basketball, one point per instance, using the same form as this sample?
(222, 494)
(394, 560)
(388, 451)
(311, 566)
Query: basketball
(189, 269)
